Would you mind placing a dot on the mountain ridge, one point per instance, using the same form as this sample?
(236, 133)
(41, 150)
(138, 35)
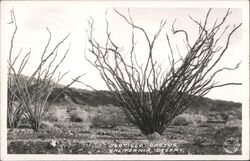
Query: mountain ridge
(101, 97)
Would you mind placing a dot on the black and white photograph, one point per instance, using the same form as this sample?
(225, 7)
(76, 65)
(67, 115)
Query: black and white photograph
(124, 80)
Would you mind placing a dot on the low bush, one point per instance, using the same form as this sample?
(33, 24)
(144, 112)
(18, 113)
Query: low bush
(199, 119)
(189, 120)
(103, 121)
(79, 116)
(108, 117)
(46, 125)
(154, 136)
(57, 114)
(183, 121)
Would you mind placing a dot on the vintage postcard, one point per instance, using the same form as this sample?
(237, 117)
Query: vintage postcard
(124, 80)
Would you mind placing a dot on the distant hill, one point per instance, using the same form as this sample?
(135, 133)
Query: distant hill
(85, 97)
(99, 98)
(96, 98)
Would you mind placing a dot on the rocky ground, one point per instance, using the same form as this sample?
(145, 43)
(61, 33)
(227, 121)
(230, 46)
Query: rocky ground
(74, 139)
(89, 122)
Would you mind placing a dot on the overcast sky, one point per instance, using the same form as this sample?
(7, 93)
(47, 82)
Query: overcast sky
(33, 19)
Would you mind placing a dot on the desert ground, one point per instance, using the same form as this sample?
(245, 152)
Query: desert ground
(75, 125)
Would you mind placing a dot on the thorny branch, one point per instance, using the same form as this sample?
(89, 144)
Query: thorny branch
(32, 94)
(150, 96)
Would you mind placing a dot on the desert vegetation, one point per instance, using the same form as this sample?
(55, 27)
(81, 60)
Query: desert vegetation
(104, 127)
(30, 97)
(150, 96)
(147, 110)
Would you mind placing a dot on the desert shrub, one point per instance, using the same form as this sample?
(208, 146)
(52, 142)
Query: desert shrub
(52, 117)
(79, 116)
(34, 91)
(57, 115)
(189, 120)
(46, 125)
(182, 121)
(108, 117)
(151, 95)
(154, 136)
(100, 120)
(199, 118)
